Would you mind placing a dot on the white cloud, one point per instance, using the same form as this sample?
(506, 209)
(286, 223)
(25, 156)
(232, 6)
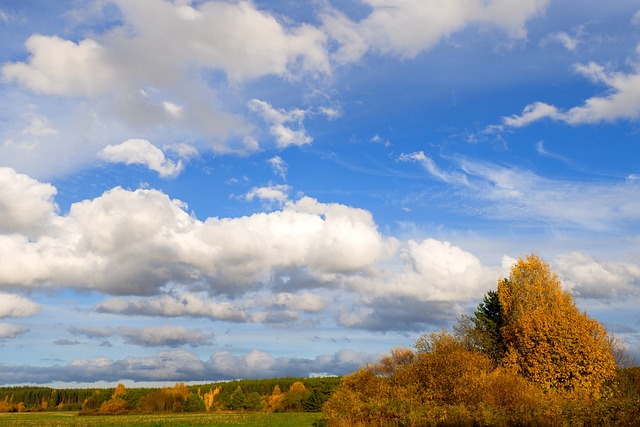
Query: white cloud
(117, 83)
(173, 109)
(236, 38)
(8, 330)
(12, 305)
(589, 278)
(516, 194)
(27, 205)
(62, 67)
(407, 27)
(272, 194)
(279, 166)
(285, 126)
(38, 127)
(184, 304)
(569, 42)
(141, 151)
(532, 113)
(143, 243)
(126, 242)
(151, 336)
(621, 102)
(431, 167)
(305, 301)
(184, 151)
(433, 270)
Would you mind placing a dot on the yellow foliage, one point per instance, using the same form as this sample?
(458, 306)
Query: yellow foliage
(389, 364)
(275, 400)
(297, 387)
(447, 371)
(119, 391)
(117, 405)
(549, 341)
(209, 397)
(177, 390)
(5, 405)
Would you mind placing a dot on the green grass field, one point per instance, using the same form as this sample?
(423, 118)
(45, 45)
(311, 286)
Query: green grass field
(62, 419)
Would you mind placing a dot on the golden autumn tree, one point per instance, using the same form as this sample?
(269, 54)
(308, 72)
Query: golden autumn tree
(548, 340)
(275, 400)
(209, 397)
(120, 390)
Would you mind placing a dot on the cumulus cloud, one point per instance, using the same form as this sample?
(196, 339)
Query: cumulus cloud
(151, 336)
(62, 67)
(587, 277)
(141, 242)
(407, 27)
(141, 151)
(236, 38)
(135, 242)
(12, 305)
(27, 205)
(182, 365)
(433, 270)
(115, 83)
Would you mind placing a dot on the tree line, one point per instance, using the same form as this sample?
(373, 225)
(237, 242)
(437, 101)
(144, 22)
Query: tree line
(526, 357)
(265, 395)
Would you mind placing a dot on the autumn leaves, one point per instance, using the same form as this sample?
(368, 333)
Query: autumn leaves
(527, 356)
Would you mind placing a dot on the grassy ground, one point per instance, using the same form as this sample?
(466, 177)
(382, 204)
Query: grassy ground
(62, 419)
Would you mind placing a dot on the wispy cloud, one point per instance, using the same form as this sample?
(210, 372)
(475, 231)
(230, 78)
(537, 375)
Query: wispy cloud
(431, 167)
(279, 166)
(515, 194)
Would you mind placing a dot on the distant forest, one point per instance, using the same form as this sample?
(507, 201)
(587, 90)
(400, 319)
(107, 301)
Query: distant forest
(264, 395)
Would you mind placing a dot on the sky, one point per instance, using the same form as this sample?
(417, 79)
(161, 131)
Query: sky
(206, 190)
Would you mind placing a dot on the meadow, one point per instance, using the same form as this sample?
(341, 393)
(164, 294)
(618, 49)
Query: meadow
(67, 419)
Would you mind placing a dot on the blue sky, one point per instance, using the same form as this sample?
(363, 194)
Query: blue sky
(204, 190)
